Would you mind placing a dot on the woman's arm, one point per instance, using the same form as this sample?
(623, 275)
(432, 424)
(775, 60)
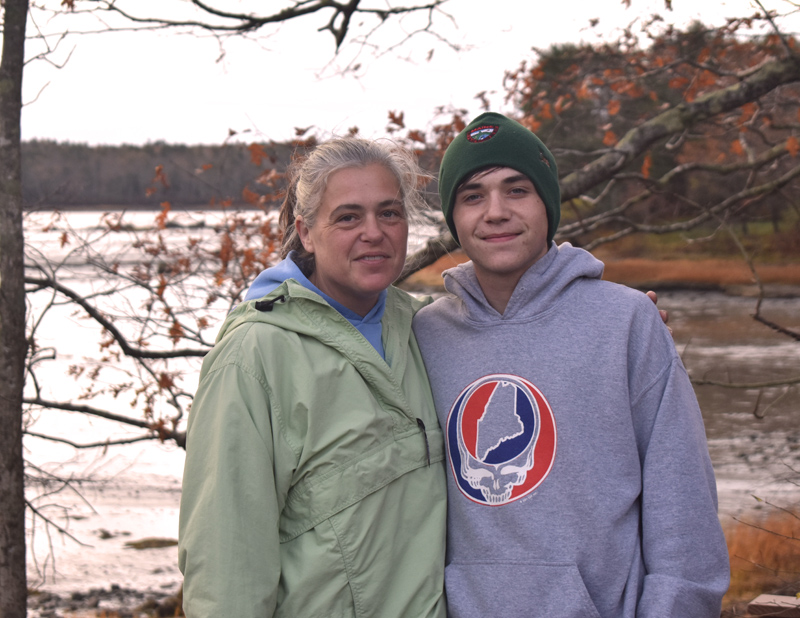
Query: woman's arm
(229, 549)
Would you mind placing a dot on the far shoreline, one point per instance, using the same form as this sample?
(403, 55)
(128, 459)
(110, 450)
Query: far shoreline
(727, 275)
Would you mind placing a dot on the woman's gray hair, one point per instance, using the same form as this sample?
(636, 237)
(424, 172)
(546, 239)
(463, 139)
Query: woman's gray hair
(308, 178)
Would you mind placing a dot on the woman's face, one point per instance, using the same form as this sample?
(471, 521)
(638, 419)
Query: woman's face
(359, 236)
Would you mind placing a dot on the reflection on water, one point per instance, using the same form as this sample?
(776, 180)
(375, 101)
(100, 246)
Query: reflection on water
(754, 434)
(719, 340)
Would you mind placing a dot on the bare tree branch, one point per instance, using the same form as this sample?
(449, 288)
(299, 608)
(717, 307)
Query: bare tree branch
(746, 385)
(242, 23)
(50, 522)
(96, 315)
(103, 444)
(161, 432)
(434, 249)
(675, 120)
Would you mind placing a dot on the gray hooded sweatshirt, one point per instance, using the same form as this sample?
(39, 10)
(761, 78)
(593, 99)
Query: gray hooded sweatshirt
(579, 480)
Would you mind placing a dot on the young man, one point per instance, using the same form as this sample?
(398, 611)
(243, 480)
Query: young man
(580, 483)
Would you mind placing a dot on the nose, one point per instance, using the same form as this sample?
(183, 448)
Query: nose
(496, 209)
(371, 230)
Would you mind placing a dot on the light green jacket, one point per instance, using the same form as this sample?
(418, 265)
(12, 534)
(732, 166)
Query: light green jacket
(314, 481)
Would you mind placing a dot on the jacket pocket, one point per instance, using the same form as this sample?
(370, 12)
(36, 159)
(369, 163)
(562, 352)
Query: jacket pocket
(517, 590)
(320, 497)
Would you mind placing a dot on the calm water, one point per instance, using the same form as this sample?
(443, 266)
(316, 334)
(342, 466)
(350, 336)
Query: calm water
(719, 340)
(754, 435)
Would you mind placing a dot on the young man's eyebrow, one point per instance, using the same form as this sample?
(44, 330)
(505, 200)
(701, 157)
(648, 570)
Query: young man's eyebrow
(469, 186)
(477, 184)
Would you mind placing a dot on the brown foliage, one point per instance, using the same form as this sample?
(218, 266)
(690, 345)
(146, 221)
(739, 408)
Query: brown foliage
(765, 555)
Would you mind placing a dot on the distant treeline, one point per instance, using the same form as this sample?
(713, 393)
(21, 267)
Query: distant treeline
(64, 175)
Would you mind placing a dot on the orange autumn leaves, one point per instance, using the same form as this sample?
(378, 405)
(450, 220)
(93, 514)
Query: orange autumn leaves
(647, 164)
(610, 138)
(619, 85)
(792, 146)
(748, 113)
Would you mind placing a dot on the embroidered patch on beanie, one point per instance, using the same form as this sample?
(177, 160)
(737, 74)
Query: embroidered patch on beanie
(483, 133)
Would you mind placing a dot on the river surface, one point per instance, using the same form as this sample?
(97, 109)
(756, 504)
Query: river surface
(132, 491)
(753, 434)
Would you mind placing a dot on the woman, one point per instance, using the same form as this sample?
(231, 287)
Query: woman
(314, 483)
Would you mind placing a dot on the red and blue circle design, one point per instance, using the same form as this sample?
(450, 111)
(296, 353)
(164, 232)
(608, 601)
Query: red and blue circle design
(501, 437)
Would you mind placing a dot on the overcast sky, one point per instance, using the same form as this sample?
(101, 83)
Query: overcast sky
(144, 87)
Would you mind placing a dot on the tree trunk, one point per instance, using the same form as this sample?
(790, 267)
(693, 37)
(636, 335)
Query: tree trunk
(13, 346)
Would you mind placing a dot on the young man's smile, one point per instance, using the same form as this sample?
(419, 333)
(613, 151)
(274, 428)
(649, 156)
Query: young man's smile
(499, 237)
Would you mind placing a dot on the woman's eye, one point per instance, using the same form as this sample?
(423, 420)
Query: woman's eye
(346, 219)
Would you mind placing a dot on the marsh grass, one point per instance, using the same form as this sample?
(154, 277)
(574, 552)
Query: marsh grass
(695, 272)
(765, 555)
(706, 273)
(763, 243)
(709, 261)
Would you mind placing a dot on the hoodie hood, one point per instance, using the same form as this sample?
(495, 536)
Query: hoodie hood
(268, 280)
(537, 291)
(293, 308)
(273, 276)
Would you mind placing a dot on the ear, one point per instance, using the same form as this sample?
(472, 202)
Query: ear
(303, 233)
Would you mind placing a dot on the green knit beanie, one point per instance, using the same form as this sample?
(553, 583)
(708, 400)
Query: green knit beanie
(492, 140)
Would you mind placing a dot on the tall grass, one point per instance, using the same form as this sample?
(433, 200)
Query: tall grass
(765, 555)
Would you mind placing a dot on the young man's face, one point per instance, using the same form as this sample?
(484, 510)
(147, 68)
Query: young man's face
(501, 223)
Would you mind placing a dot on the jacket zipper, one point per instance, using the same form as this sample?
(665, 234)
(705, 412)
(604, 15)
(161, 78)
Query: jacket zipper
(425, 436)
